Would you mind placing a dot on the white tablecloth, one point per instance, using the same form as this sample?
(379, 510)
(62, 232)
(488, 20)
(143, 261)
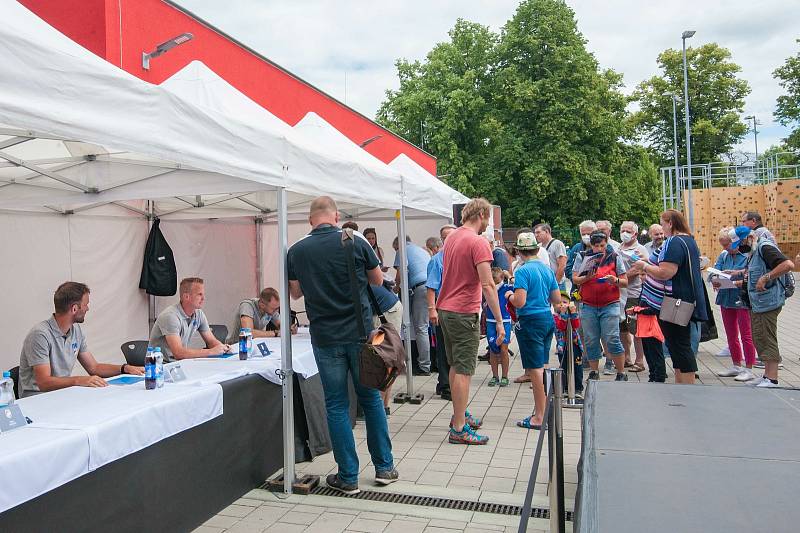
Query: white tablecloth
(216, 370)
(34, 460)
(122, 419)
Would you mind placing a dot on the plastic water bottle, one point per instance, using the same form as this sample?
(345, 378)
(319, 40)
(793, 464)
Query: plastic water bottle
(243, 345)
(159, 366)
(150, 380)
(6, 390)
(250, 342)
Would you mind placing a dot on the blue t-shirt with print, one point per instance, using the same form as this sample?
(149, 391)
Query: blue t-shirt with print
(502, 289)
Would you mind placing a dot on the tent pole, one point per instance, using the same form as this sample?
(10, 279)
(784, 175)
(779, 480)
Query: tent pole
(286, 344)
(151, 300)
(401, 237)
(259, 254)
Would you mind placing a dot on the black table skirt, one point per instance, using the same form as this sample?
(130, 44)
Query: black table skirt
(182, 481)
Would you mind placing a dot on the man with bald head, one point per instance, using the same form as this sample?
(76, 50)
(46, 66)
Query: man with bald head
(656, 233)
(318, 271)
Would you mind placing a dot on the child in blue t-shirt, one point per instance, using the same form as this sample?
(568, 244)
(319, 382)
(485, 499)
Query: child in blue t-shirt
(498, 355)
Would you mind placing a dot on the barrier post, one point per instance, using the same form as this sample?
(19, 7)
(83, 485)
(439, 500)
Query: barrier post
(555, 433)
(570, 402)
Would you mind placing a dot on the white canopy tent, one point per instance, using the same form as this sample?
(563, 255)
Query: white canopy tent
(88, 153)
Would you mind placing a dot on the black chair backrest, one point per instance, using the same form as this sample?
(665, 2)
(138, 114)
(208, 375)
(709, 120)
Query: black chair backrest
(219, 331)
(15, 377)
(134, 352)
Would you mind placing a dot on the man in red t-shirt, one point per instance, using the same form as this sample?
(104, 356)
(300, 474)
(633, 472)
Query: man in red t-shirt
(466, 273)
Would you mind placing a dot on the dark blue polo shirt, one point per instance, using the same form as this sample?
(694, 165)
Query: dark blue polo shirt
(319, 263)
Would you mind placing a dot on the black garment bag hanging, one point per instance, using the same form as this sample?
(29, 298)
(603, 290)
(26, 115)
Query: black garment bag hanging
(159, 275)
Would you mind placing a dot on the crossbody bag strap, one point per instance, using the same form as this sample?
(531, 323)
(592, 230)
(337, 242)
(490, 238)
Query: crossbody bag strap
(691, 270)
(350, 252)
(375, 307)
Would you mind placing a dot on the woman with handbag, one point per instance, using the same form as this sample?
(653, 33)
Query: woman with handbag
(684, 302)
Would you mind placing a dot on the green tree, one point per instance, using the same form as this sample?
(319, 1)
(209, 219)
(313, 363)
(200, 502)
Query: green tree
(716, 101)
(788, 109)
(526, 119)
(443, 103)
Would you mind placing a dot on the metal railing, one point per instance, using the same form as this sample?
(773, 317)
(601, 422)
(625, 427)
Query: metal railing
(675, 181)
(553, 426)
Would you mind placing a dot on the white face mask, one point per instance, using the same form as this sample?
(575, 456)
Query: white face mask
(626, 236)
(585, 239)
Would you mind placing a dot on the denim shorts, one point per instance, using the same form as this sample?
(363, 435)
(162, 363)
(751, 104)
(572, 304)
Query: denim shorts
(535, 337)
(601, 323)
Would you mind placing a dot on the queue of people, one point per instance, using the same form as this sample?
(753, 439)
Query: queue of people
(625, 297)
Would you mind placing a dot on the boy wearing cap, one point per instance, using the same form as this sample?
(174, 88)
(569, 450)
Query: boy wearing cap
(535, 290)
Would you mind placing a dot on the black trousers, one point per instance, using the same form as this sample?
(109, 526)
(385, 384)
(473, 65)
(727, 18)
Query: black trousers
(654, 354)
(441, 362)
(679, 341)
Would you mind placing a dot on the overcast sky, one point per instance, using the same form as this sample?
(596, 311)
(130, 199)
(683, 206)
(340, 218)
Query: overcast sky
(328, 42)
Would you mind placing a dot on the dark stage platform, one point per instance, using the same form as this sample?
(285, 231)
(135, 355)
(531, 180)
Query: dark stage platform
(679, 458)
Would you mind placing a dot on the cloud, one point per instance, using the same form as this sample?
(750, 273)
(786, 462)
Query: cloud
(324, 42)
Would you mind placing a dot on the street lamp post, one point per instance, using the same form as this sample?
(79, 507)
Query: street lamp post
(755, 138)
(755, 133)
(674, 99)
(687, 35)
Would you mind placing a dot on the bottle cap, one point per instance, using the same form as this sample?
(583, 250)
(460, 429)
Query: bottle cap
(149, 348)
(6, 374)
(157, 349)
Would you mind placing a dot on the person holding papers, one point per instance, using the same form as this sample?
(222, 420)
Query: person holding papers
(260, 314)
(735, 314)
(176, 324)
(51, 348)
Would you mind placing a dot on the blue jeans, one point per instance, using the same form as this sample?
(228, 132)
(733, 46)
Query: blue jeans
(335, 363)
(597, 323)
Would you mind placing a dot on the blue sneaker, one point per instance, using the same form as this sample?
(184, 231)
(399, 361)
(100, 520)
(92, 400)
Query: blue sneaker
(467, 436)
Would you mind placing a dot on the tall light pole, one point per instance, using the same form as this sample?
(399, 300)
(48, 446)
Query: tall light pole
(688, 34)
(674, 99)
(755, 133)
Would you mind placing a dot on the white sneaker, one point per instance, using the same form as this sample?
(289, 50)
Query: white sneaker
(731, 372)
(766, 384)
(745, 375)
(725, 352)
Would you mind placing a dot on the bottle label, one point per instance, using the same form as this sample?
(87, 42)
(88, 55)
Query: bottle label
(149, 371)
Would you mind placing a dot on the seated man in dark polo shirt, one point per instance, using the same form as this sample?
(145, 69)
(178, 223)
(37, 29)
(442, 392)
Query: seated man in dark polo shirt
(261, 315)
(318, 270)
(51, 348)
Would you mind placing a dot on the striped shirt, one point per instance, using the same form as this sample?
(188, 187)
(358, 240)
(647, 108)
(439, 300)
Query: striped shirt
(653, 290)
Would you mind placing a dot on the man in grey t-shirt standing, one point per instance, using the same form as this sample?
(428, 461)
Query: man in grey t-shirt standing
(51, 348)
(176, 324)
(555, 249)
(260, 314)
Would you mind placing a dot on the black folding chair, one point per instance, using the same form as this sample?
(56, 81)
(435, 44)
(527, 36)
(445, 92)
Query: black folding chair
(219, 331)
(15, 377)
(134, 352)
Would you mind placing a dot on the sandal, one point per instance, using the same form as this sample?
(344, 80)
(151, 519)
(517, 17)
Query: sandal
(526, 423)
(636, 367)
(522, 379)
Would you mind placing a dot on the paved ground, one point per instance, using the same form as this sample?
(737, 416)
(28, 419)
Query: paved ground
(429, 466)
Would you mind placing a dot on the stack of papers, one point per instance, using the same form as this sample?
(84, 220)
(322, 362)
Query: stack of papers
(722, 278)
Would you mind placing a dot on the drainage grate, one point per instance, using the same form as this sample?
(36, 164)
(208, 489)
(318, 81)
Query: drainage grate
(441, 503)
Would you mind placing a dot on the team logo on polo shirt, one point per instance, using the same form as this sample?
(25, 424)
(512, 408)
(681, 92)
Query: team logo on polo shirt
(75, 348)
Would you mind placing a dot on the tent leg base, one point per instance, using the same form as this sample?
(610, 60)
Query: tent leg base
(303, 485)
(402, 397)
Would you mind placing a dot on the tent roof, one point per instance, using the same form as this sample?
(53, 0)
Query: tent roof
(76, 132)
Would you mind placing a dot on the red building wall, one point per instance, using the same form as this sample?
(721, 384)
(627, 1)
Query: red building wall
(120, 30)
